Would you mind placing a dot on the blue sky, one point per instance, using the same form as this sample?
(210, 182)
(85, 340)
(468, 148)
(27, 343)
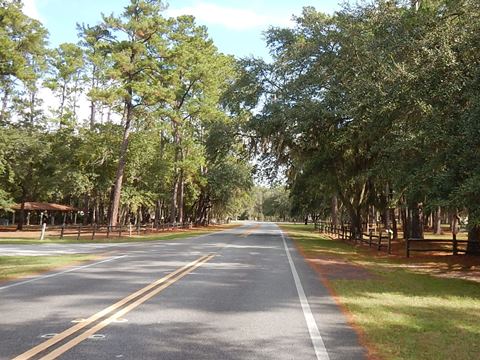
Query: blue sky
(236, 26)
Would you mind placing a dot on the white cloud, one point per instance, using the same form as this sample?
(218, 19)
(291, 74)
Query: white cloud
(30, 9)
(229, 17)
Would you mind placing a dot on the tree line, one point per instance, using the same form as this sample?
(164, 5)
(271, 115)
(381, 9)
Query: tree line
(374, 107)
(162, 137)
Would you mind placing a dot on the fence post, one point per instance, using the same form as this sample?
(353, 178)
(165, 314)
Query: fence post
(94, 231)
(370, 237)
(130, 230)
(138, 227)
(380, 241)
(44, 228)
(389, 245)
(120, 231)
(407, 248)
(79, 232)
(108, 231)
(62, 231)
(455, 244)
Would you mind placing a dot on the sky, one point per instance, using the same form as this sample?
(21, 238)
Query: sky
(236, 26)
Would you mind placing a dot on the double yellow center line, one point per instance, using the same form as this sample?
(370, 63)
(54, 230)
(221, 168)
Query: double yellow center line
(118, 309)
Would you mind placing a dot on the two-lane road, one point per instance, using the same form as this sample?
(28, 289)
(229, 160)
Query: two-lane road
(238, 294)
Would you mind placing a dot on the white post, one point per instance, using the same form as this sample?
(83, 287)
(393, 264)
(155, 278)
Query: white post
(44, 227)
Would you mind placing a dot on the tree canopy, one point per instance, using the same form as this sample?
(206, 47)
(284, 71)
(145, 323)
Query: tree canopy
(376, 106)
(149, 150)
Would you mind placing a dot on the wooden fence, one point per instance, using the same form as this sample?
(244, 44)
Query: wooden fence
(103, 231)
(452, 246)
(381, 240)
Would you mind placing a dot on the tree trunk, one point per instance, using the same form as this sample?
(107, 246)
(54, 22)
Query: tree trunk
(199, 211)
(121, 165)
(417, 221)
(158, 206)
(3, 112)
(394, 224)
(21, 221)
(356, 223)
(181, 194)
(93, 111)
(173, 206)
(95, 211)
(32, 106)
(437, 221)
(405, 223)
(334, 210)
(387, 217)
(93, 105)
(473, 247)
(86, 209)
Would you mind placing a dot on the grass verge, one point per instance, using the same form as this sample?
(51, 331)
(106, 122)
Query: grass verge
(167, 235)
(12, 267)
(400, 313)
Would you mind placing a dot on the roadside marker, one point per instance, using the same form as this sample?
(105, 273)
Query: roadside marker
(317, 341)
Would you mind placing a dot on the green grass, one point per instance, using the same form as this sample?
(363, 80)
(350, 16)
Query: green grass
(12, 267)
(114, 239)
(403, 314)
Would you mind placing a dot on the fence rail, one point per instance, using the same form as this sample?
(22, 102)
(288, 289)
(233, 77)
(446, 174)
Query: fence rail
(382, 240)
(450, 246)
(105, 231)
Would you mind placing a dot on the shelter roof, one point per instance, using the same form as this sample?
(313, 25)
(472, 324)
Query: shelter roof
(41, 206)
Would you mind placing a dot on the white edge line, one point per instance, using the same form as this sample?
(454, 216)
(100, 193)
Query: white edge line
(61, 272)
(317, 341)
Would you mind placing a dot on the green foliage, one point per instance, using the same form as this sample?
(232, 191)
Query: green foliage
(378, 96)
(158, 123)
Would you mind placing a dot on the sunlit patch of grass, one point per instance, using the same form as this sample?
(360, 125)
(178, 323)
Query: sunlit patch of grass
(403, 314)
(167, 235)
(12, 267)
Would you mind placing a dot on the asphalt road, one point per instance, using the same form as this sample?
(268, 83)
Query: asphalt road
(244, 293)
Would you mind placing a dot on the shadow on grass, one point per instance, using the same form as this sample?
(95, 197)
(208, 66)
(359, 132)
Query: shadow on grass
(84, 239)
(404, 314)
(416, 316)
